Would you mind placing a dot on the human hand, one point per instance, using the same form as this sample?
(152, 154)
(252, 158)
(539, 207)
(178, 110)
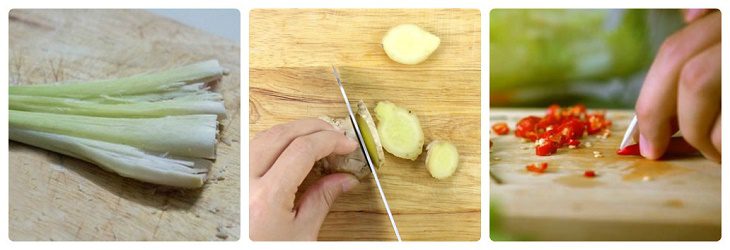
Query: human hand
(682, 89)
(279, 160)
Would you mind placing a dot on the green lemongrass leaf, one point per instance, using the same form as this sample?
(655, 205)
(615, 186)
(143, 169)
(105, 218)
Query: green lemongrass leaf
(124, 160)
(168, 80)
(178, 106)
(188, 135)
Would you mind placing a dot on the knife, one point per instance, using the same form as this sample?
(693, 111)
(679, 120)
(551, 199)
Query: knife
(629, 135)
(364, 150)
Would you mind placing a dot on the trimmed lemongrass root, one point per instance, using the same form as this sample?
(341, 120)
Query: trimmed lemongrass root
(124, 160)
(188, 135)
(399, 130)
(179, 106)
(442, 159)
(166, 81)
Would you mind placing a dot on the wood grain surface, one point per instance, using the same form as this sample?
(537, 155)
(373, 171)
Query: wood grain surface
(53, 197)
(291, 54)
(677, 198)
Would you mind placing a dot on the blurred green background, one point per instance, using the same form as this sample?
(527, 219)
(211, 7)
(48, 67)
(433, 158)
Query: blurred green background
(597, 57)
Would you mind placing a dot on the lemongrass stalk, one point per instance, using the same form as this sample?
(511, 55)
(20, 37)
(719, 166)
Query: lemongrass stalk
(124, 160)
(168, 80)
(188, 135)
(200, 94)
(178, 106)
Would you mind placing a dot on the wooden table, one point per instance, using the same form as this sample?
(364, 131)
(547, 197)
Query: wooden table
(53, 197)
(631, 198)
(291, 54)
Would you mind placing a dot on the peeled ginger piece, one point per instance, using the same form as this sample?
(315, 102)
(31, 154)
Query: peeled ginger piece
(442, 159)
(409, 44)
(399, 130)
(370, 134)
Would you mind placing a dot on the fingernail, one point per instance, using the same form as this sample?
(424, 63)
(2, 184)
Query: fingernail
(353, 141)
(692, 14)
(349, 184)
(645, 147)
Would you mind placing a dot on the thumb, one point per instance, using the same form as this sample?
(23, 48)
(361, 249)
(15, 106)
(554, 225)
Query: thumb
(316, 202)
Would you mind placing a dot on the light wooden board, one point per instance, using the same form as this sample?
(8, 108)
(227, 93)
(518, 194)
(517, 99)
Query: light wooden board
(680, 200)
(291, 54)
(53, 197)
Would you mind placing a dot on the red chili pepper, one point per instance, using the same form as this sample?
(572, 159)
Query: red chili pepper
(544, 123)
(597, 123)
(578, 110)
(572, 129)
(552, 136)
(630, 150)
(525, 128)
(537, 169)
(500, 128)
(546, 148)
(589, 173)
(573, 142)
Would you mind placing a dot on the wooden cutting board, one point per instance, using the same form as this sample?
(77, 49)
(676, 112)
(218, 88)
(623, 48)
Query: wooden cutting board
(53, 197)
(631, 198)
(291, 54)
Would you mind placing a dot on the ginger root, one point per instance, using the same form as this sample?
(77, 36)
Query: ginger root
(399, 130)
(370, 134)
(355, 162)
(409, 44)
(442, 159)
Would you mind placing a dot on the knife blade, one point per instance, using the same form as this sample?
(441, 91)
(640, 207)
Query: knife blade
(364, 150)
(629, 135)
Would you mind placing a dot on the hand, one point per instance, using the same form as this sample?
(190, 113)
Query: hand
(280, 159)
(682, 89)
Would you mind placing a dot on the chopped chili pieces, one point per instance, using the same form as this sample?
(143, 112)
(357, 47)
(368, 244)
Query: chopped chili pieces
(561, 127)
(630, 150)
(589, 173)
(526, 128)
(500, 128)
(537, 169)
(545, 147)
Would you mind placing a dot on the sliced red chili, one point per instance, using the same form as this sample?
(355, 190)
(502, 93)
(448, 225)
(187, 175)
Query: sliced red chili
(553, 110)
(561, 126)
(545, 148)
(572, 129)
(589, 173)
(554, 136)
(630, 150)
(544, 124)
(578, 110)
(500, 128)
(537, 169)
(525, 128)
(596, 123)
